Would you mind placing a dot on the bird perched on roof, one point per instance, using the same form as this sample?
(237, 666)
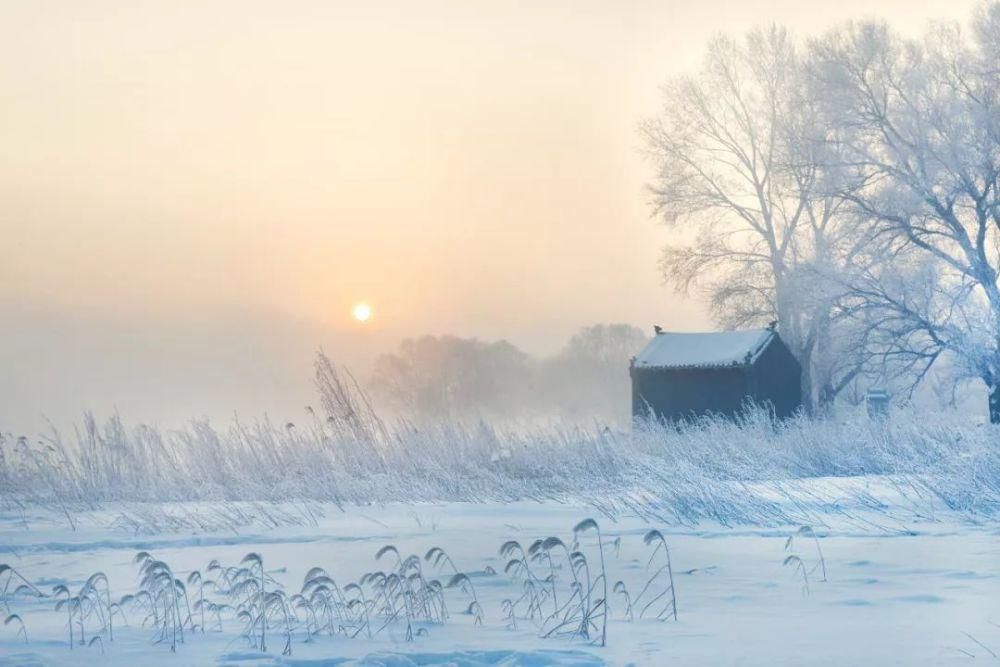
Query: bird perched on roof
(657, 328)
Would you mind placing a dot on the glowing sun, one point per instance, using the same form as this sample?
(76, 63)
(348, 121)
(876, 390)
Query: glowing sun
(362, 312)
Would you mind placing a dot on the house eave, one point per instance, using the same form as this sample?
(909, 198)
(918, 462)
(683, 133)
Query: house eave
(694, 367)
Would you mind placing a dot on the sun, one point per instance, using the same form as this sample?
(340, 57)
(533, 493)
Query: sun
(362, 312)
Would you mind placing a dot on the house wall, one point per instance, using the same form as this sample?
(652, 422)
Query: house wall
(775, 379)
(675, 394)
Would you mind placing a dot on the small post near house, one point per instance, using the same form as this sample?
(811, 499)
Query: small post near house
(877, 403)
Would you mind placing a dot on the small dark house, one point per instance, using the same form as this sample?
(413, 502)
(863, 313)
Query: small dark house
(686, 375)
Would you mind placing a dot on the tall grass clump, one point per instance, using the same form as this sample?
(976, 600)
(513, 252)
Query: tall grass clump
(798, 566)
(807, 531)
(18, 623)
(14, 584)
(342, 451)
(90, 609)
(655, 538)
(556, 587)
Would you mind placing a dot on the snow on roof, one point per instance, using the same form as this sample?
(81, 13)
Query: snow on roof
(703, 350)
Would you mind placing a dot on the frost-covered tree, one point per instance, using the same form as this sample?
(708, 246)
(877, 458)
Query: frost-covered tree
(447, 377)
(450, 377)
(916, 128)
(605, 346)
(589, 377)
(740, 153)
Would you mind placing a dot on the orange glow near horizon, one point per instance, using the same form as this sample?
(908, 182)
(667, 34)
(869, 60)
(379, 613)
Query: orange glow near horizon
(336, 174)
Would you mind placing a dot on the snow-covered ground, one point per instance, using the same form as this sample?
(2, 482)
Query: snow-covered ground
(903, 588)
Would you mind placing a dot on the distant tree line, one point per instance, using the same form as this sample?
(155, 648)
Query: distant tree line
(849, 188)
(435, 377)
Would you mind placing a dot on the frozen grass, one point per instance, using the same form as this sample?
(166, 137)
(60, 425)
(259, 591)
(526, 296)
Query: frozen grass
(905, 598)
(344, 453)
(407, 593)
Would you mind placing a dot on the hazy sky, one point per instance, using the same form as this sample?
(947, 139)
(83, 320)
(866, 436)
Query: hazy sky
(194, 194)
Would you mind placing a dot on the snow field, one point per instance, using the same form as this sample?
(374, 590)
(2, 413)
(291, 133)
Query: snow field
(925, 594)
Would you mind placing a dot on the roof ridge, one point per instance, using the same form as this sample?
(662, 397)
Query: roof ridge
(709, 349)
(716, 333)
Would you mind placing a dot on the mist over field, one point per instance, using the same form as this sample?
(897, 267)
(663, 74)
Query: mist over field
(182, 237)
(574, 333)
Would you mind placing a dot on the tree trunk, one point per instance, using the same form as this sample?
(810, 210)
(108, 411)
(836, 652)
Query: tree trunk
(806, 385)
(804, 351)
(823, 351)
(994, 403)
(827, 395)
